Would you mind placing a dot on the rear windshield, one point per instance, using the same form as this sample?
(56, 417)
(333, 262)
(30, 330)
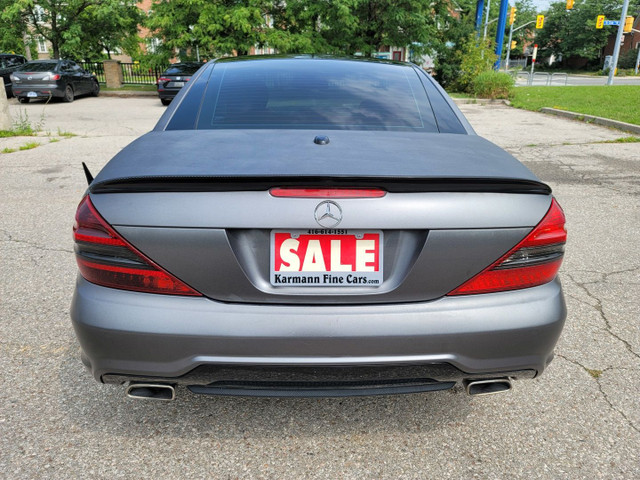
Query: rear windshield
(189, 69)
(315, 93)
(38, 67)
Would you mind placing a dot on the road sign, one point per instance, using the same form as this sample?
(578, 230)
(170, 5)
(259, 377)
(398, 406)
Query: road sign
(611, 22)
(599, 21)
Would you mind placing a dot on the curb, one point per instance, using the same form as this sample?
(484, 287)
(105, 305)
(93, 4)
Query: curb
(126, 93)
(481, 101)
(606, 122)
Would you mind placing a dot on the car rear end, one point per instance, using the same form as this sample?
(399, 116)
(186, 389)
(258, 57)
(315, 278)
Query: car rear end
(316, 261)
(38, 79)
(174, 79)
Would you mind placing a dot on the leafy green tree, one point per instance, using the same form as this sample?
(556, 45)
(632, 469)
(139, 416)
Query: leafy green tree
(72, 25)
(215, 27)
(107, 27)
(572, 32)
(12, 33)
(350, 26)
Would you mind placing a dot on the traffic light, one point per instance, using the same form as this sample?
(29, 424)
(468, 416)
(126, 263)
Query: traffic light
(628, 24)
(600, 21)
(539, 21)
(570, 4)
(513, 44)
(512, 15)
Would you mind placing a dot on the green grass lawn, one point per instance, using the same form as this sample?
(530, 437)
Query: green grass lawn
(617, 102)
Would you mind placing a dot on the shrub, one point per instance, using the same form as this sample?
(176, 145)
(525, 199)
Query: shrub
(493, 84)
(628, 59)
(477, 57)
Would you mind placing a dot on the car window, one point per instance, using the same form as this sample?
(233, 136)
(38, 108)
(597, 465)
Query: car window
(184, 69)
(316, 93)
(38, 67)
(6, 62)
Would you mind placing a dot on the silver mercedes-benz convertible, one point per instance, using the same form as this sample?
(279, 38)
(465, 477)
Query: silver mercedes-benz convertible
(316, 226)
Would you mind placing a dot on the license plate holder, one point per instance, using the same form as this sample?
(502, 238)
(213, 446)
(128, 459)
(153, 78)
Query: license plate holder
(326, 258)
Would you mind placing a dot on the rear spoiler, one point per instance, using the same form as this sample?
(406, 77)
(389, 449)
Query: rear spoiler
(390, 184)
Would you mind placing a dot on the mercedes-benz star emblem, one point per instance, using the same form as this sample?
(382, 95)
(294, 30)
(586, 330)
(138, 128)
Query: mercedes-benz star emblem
(328, 214)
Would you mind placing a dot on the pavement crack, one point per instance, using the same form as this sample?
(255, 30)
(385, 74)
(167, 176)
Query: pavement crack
(9, 239)
(597, 375)
(600, 308)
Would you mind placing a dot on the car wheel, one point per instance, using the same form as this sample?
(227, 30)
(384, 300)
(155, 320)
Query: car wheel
(95, 89)
(23, 99)
(68, 94)
(165, 101)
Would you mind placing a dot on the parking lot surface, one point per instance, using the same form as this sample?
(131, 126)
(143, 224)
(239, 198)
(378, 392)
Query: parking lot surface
(580, 419)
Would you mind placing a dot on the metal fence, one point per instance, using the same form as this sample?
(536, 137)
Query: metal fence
(514, 63)
(134, 73)
(97, 68)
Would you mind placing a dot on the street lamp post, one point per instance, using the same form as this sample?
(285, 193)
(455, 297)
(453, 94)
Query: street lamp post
(486, 20)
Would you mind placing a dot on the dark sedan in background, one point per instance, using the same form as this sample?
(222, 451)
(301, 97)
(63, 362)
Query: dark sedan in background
(9, 62)
(64, 79)
(311, 226)
(174, 78)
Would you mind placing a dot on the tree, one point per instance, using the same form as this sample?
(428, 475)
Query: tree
(103, 29)
(572, 32)
(71, 25)
(216, 27)
(350, 26)
(12, 33)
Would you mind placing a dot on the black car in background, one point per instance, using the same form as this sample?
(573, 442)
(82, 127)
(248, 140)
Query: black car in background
(53, 78)
(9, 62)
(174, 78)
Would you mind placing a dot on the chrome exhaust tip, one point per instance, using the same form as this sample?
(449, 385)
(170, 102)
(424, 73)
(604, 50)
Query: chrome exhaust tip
(151, 391)
(488, 386)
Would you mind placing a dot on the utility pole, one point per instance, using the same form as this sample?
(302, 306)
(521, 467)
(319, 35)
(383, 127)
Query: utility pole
(616, 48)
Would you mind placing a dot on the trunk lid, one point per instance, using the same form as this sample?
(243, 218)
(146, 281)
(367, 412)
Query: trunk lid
(198, 204)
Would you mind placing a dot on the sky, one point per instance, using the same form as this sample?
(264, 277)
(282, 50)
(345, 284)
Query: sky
(541, 4)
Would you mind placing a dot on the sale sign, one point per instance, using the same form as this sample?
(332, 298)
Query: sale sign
(326, 257)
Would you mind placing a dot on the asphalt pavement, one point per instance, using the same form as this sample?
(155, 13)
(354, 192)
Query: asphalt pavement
(580, 419)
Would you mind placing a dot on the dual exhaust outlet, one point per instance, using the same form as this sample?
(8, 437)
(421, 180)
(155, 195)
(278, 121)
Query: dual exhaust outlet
(166, 392)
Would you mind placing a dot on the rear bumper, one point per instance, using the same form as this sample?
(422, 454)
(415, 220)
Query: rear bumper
(168, 93)
(128, 335)
(41, 91)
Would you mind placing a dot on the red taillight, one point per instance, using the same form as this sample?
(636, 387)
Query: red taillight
(163, 79)
(55, 77)
(534, 261)
(327, 192)
(107, 259)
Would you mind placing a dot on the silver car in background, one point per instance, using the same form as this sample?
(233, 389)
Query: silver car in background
(316, 226)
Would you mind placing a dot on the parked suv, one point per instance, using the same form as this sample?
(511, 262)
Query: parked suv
(8, 63)
(53, 78)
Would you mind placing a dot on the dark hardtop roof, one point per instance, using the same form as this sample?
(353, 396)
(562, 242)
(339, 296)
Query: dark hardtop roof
(292, 57)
